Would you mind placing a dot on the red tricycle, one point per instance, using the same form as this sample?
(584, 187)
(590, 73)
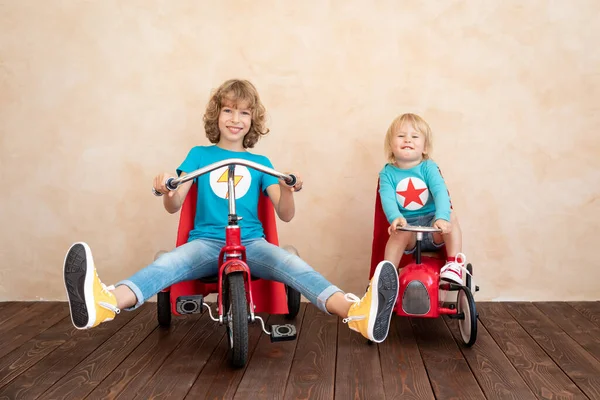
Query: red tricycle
(234, 284)
(421, 292)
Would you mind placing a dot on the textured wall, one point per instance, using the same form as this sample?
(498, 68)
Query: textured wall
(96, 97)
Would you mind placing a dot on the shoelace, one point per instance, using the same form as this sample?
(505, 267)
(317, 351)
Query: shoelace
(106, 290)
(356, 300)
(457, 264)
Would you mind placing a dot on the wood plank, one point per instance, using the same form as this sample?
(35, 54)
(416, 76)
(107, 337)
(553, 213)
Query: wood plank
(269, 367)
(544, 377)
(582, 330)
(313, 369)
(448, 371)
(178, 372)
(20, 359)
(11, 309)
(20, 314)
(578, 364)
(495, 374)
(404, 374)
(358, 373)
(218, 380)
(42, 316)
(37, 379)
(140, 365)
(82, 379)
(7, 309)
(589, 309)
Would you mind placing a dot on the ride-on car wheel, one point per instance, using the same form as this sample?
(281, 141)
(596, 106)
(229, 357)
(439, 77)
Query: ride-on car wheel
(468, 278)
(467, 322)
(163, 308)
(236, 311)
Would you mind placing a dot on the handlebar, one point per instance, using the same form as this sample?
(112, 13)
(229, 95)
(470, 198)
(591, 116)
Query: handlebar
(415, 228)
(172, 183)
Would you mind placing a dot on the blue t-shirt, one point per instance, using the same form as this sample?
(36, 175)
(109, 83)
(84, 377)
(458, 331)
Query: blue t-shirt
(212, 209)
(415, 191)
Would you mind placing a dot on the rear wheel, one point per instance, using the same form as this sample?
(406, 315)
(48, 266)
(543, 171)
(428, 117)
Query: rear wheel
(293, 296)
(163, 308)
(293, 302)
(236, 310)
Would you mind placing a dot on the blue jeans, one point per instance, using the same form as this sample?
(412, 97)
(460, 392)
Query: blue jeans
(199, 259)
(427, 244)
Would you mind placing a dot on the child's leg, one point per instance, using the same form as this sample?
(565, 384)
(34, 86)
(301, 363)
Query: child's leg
(91, 302)
(397, 244)
(370, 316)
(452, 270)
(453, 240)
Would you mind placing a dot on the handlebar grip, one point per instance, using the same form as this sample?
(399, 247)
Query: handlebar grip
(168, 184)
(292, 181)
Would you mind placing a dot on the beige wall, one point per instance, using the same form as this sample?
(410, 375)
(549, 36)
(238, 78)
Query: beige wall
(96, 97)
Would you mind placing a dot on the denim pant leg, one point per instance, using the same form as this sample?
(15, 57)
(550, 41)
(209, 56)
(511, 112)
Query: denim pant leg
(271, 262)
(193, 260)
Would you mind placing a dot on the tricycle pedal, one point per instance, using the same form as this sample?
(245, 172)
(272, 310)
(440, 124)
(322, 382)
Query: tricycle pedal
(281, 333)
(190, 304)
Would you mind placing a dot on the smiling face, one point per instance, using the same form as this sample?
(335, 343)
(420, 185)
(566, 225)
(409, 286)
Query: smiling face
(235, 120)
(235, 111)
(408, 145)
(408, 141)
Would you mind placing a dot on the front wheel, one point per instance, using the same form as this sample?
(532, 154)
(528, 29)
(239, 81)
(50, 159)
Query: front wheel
(467, 323)
(236, 310)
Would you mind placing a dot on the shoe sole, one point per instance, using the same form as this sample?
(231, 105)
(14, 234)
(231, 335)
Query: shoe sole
(382, 305)
(79, 280)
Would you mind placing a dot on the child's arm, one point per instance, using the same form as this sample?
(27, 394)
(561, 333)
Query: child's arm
(172, 199)
(387, 193)
(439, 191)
(282, 197)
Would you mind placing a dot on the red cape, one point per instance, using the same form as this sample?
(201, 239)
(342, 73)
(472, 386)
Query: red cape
(380, 234)
(268, 296)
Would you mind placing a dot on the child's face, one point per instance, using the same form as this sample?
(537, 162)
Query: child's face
(407, 144)
(235, 120)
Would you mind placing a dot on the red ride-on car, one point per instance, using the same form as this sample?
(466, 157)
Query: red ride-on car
(421, 293)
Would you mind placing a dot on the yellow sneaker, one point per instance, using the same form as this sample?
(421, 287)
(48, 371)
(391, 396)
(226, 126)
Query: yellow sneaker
(90, 301)
(371, 315)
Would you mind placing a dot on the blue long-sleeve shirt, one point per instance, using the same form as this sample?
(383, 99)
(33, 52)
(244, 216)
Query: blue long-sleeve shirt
(412, 192)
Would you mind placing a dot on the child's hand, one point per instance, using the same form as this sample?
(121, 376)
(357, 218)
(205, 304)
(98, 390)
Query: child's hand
(159, 184)
(398, 222)
(443, 225)
(296, 188)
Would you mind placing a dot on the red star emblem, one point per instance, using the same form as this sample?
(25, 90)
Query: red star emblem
(411, 194)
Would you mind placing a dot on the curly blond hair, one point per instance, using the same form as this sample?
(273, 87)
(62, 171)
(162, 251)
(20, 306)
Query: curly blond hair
(419, 125)
(236, 91)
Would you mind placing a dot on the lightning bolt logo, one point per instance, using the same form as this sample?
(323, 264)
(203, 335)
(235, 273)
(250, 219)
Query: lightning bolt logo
(223, 179)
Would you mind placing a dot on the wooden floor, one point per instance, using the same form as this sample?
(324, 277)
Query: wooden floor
(523, 351)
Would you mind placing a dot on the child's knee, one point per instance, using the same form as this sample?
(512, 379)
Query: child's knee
(400, 237)
(402, 240)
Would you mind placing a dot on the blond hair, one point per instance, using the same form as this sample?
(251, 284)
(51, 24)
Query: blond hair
(418, 125)
(236, 91)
